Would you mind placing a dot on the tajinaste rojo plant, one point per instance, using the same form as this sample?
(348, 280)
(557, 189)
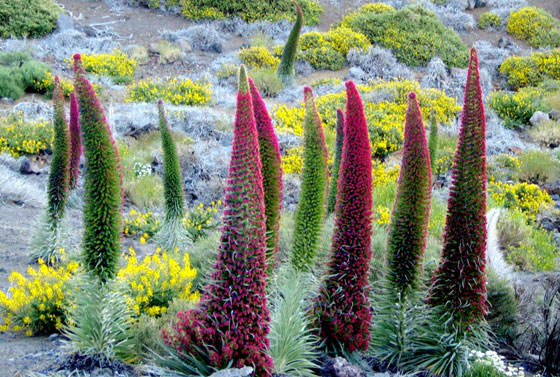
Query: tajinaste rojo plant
(342, 307)
(411, 211)
(337, 157)
(75, 142)
(103, 183)
(271, 162)
(46, 243)
(231, 325)
(172, 234)
(459, 283)
(286, 67)
(310, 213)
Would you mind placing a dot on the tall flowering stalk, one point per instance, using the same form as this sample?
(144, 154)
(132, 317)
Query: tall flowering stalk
(75, 142)
(337, 157)
(231, 323)
(172, 233)
(314, 181)
(411, 210)
(433, 142)
(286, 68)
(103, 183)
(459, 283)
(342, 307)
(271, 161)
(46, 241)
(57, 187)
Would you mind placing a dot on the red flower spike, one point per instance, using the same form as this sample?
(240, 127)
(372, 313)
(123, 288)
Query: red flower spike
(342, 307)
(232, 319)
(459, 283)
(75, 141)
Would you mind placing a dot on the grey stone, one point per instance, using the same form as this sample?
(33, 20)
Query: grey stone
(184, 45)
(25, 166)
(539, 117)
(554, 115)
(340, 367)
(64, 22)
(480, 3)
(470, 4)
(233, 372)
(34, 110)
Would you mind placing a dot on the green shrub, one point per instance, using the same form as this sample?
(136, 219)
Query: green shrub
(267, 81)
(258, 57)
(516, 109)
(526, 246)
(28, 18)
(546, 134)
(415, 34)
(535, 25)
(489, 19)
(539, 67)
(18, 73)
(502, 308)
(325, 57)
(249, 10)
(538, 167)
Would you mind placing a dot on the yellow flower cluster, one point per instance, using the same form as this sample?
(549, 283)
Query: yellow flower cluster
(198, 13)
(292, 161)
(528, 198)
(140, 223)
(535, 25)
(372, 8)
(19, 137)
(383, 174)
(327, 81)
(531, 70)
(489, 19)
(385, 118)
(150, 285)
(116, 65)
(258, 57)
(36, 304)
(176, 91)
(382, 215)
(516, 109)
(46, 85)
(201, 219)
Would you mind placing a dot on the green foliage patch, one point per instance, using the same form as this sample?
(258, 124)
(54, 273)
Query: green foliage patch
(28, 18)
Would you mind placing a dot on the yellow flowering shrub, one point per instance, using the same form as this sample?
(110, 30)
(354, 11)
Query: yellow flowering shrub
(46, 85)
(535, 25)
(383, 175)
(143, 223)
(258, 57)
(504, 167)
(414, 34)
(150, 285)
(328, 50)
(516, 109)
(36, 304)
(19, 137)
(116, 65)
(292, 161)
(176, 91)
(489, 19)
(522, 71)
(201, 219)
(327, 81)
(528, 198)
(385, 118)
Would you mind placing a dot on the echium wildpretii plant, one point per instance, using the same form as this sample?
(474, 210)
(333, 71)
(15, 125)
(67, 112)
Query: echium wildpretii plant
(271, 162)
(459, 283)
(231, 324)
(337, 157)
(314, 181)
(286, 69)
(46, 242)
(103, 182)
(342, 308)
(57, 188)
(411, 211)
(172, 234)
(75, 142)
(433, 141)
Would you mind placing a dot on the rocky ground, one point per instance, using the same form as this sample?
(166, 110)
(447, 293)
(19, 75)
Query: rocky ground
(99, 26)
